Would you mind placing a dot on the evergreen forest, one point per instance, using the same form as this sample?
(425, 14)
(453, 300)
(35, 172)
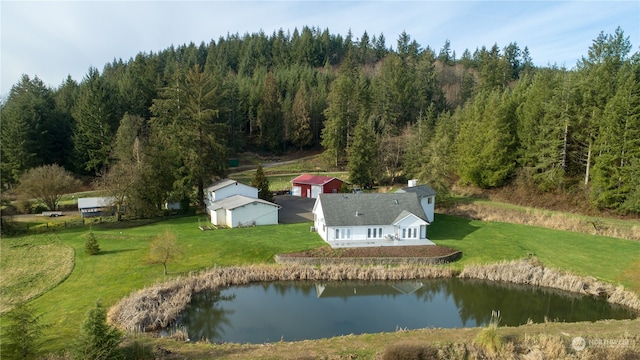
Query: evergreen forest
(160, 126)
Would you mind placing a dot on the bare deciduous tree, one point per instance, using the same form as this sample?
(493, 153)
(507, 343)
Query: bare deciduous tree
(47, 183)
(164, 249)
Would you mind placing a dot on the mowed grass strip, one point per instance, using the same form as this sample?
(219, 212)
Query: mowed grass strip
(29, 266)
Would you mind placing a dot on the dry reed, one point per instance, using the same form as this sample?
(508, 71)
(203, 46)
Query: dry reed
(539, 218)
(531, 272)
(537, 347)
(158, 306)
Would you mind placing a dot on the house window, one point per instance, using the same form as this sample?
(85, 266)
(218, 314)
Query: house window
(430, 200)
(343, 233)
(409, 233)
(374, 233)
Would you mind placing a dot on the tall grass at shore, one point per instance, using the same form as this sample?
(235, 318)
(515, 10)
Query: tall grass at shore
(532, 272)
(158, 306)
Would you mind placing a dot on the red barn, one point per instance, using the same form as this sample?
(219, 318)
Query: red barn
(311, 186)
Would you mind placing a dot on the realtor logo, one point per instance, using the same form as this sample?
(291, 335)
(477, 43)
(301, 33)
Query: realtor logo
(578, 343)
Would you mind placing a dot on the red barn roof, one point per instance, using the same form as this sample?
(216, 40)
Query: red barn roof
(312, 179)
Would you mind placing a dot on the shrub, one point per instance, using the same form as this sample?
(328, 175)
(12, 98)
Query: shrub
(91, 246)
(22, 333)
(98, 340)
(23, 206)
(409, 351)
(39, 208)
(488, 337)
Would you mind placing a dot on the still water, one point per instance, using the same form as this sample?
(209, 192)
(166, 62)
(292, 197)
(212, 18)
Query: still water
(269, 312)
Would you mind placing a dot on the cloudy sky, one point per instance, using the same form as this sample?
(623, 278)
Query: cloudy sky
(53, 39)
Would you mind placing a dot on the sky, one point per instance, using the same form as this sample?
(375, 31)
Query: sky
(55, 39)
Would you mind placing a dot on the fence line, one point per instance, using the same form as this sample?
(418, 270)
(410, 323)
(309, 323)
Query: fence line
(17, 228)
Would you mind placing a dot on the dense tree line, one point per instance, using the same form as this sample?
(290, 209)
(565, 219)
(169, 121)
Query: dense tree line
(160, 125)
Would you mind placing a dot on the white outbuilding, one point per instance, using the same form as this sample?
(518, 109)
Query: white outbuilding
(243, 211)
(233, 204)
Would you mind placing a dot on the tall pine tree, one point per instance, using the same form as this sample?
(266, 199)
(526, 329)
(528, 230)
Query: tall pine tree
(96, 123)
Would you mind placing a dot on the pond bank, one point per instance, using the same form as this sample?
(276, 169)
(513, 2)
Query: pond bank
(159, 306)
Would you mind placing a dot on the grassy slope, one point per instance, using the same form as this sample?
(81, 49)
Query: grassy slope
(121, 268)
(607, 259)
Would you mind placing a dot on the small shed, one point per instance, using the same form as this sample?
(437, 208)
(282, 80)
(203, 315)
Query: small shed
(96, 206)
(310, 186)
(242, 211)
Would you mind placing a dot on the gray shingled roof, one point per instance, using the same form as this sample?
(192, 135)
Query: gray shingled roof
(221, 184)
(237, 201)
(421, 190)
(371, 208)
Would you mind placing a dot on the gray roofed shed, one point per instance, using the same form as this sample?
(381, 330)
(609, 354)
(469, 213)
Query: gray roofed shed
(368, 209)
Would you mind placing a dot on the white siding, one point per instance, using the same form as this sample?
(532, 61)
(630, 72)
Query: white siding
(218, 217)
(252, 214)
(428, 205)
(358, 236)
(230, 190)
(236, 189)
(318, 220)
(411, 228)
(316, 190)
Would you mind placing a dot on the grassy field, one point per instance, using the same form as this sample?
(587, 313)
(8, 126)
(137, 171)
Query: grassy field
(609, 259)
(279, 172)
(31, 266)
(64, 283)
(121, 268)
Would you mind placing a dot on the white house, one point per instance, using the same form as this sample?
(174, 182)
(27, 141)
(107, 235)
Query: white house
(233, 204)
(241, 211)
(370, 219)
(426, 195)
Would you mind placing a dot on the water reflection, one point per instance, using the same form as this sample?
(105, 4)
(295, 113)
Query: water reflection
(290, 311)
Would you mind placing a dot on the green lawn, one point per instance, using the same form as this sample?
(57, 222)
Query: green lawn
(121, 268)
(605, 258)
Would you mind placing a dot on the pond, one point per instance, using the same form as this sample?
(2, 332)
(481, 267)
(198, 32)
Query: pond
(290, 311)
